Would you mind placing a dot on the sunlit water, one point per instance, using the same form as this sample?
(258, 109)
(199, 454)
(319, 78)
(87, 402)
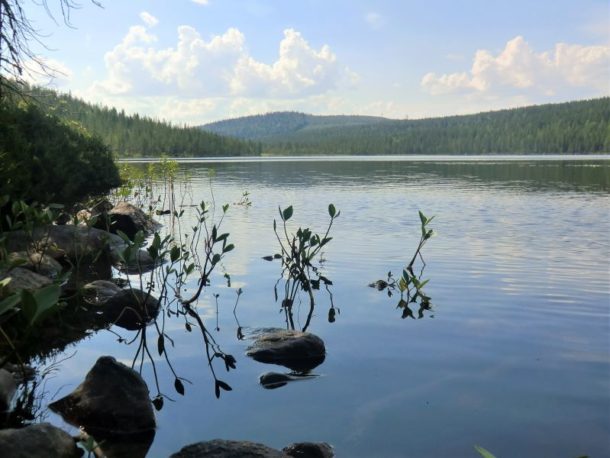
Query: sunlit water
(515, 355)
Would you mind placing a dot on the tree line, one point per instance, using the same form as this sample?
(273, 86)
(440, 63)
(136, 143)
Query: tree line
(140, 136)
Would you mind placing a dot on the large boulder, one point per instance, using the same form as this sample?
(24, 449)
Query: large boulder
(112, 400)
(126, 218)
(37, 440)
(298, 351)
(219, 448)
(131, 309)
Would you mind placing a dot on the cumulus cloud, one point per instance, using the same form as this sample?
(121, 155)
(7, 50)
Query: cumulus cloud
(148, 19)
(47, 72)
(519, 69)
(220, 66)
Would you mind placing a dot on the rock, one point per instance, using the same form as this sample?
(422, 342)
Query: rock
(43, 440)
(142, 263)
(23, 279)
(113, 399)
(126, 218)
(100, 291)
(131, 309)
(219, 448)
(298, 351)
(36, 262)
(74, 243)
(7, 389)
(309, 450)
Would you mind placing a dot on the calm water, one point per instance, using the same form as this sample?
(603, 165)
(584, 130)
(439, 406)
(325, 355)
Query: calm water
(515, 355)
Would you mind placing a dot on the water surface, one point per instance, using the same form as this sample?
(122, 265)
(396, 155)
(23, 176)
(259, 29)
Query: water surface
(514, 356)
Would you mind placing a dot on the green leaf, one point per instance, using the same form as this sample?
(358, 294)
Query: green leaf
(9, 303)
(423, 218)
(161, 344)
(179, 386)
(228, 248)
(124, 236)
(484, 453)
(46, 299)
(332, 211)
(287, 213)
(215, 259)
(174, 253)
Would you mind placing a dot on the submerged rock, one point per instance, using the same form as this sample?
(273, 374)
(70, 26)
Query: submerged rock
(219, 448)
(309, 450)
(100, 291)
(131, 309)
(298, 351)
(112, 400)
(43, 440)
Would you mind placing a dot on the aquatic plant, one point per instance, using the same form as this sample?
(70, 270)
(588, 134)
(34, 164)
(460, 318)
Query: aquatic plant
(298, 253)
(410, 285)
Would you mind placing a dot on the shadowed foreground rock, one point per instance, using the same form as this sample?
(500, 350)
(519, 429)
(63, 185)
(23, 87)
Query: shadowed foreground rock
(128, 219)
(219, 448)
(298, 351)
(43, 440)
(113, 399)
(131, 309)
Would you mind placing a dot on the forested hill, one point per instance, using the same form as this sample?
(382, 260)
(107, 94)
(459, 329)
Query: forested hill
(572, 127)
(138, 136)
(278, 124)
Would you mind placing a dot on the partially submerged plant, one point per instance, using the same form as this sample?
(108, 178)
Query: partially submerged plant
(410, 285)
(298, 253)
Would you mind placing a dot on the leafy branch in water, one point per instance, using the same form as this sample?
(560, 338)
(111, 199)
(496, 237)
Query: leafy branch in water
(298, 252)
(410, 285)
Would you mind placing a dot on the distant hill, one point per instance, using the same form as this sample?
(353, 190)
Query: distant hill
(572, 127)
(140, 136)
(272, 125)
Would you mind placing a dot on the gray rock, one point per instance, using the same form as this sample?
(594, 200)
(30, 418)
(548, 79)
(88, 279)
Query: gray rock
(42, 440)
(100, 291)
(142, 263)
(272, 380)
(70, 242)
(7, 389)
(298, 351)
(23, 279)
(113, 399)
(219, 448)
(309, 450)
(36, 262)
(131, 309)
(126, 218)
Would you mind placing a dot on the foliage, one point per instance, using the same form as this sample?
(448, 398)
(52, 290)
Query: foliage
(298, 252)
(484, 453)
(46, 159)
(410, 285)
(572, 127)
(140, 136)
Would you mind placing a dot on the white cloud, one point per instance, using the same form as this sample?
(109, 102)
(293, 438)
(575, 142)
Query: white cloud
(201, 2)
(220, 66)
(47, 72)
(518, 69)
(148, 19)
(374, 20)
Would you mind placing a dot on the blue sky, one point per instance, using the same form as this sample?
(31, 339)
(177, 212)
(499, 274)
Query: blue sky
(195, 61)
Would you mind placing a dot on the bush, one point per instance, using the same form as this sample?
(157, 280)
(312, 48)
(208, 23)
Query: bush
(45, 159)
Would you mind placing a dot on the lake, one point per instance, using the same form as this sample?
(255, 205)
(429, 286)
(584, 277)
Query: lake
(514, 355)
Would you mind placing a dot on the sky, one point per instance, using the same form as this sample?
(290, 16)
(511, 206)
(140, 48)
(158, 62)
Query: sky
(198, 61)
